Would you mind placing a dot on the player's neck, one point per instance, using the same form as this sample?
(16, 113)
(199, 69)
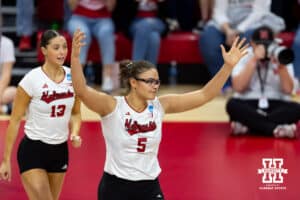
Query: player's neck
(136, 103)
(55, 73)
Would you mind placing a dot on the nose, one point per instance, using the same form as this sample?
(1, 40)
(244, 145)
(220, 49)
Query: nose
(156, 86)
(63, 51)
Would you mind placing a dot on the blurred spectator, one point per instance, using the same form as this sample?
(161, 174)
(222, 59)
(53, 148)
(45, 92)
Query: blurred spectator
(50, 14)
(286, 10)
(296, 48)
(185, 12)
(147, 25)
(263, 84)
(206, 7)
(231, 18)
(7, 60)
(24, 23)
(93, 17)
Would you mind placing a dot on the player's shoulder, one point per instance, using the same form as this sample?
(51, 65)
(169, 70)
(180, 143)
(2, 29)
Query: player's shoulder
(35, 73)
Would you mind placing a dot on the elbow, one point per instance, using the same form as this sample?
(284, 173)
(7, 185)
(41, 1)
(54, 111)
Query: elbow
(238, 88)
(288, 90)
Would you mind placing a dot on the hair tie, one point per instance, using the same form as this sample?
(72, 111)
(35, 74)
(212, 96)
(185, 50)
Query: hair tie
(129, 65)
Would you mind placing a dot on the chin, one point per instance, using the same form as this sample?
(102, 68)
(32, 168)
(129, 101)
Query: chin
(152, 97)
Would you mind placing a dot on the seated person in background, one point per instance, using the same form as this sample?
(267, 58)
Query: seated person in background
(205, 7)
(231, 18)
(296, 48)
(263, 84)
(93, 17)
(24, 23)
(147, 24)
(7, 60)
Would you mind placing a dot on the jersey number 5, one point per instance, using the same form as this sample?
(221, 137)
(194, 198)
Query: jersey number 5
(141, 144)
(58, 110)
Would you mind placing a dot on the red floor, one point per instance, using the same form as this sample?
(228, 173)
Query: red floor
(199, 161)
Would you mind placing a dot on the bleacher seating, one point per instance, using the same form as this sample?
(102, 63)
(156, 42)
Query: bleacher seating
(181, 47)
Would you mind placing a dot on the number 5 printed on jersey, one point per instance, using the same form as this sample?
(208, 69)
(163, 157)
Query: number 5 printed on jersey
(141, 145)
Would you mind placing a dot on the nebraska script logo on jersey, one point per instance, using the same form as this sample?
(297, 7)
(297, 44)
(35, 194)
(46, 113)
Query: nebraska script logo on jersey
(133, 127)
(48, 98)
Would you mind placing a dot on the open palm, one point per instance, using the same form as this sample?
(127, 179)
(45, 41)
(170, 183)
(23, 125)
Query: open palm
(236, 52)
(77, 42)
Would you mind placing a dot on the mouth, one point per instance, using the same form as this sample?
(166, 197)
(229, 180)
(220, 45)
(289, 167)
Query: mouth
(61, 59)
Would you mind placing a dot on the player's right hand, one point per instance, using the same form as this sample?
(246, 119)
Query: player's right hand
(5, 171)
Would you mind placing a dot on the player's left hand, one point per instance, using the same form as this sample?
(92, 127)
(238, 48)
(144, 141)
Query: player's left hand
(236, 52)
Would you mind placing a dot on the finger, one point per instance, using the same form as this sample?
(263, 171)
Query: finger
(245, 47)
(241, 43)
(223, 49)
(235, 41)
(244, 52)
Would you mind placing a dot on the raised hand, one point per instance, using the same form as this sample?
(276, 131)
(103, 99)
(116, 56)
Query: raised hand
(77, 42)
(236, 52)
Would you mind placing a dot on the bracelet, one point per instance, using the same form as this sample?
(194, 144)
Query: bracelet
(75, 138)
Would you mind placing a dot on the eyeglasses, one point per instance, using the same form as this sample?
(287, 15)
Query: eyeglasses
(150, 81)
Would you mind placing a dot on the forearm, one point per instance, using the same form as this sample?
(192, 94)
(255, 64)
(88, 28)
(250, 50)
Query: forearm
(110, 4)
(191, 100)
(241, 82)
(11, 135)
(214, 86)
(72, 4)
(4, 83)
(75, 124)
(286, 81)
(78, 78)
(226, 28)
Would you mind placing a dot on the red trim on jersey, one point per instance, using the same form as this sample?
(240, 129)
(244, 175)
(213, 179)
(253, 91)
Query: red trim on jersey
(101, 13)
(144, 14)
(133, 108)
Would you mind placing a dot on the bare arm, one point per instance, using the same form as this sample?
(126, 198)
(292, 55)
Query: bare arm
(286, 81)
(241, 82)
(19, 107)
(5, 77)
(191, 100)
(110, 4)
(97, 101)
(75, 122)
(72, 4)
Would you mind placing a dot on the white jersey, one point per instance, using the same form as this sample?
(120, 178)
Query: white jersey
(7, 51)
(132, 140)
(50, 107)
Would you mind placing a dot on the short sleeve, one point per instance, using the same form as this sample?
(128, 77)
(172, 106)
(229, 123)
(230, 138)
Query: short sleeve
(7, 50)
(27, 83)
(241, 64)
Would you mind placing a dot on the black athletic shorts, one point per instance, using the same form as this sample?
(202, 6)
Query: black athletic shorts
(34, 154)
(114, 188)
